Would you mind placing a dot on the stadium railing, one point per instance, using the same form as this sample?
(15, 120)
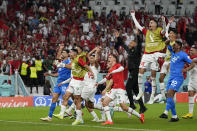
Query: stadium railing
(20, 86)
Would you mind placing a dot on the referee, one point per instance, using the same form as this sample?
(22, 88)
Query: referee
(134, 56)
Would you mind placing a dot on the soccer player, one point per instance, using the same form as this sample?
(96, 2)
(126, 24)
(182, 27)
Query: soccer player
(178, 59)
(89, 89)
(118, 91)
(99, 105)
(165, 67)
(192, 86)
(153, 47)
(63, 74)
(79, 68)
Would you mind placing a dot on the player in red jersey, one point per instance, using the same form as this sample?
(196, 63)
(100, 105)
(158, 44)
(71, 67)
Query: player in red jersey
(117, 91)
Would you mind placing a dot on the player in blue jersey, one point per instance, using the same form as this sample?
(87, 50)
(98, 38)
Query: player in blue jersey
(62, 74)
(178, 59)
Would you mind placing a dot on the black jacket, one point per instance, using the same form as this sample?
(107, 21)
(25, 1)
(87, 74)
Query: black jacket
(134, 54)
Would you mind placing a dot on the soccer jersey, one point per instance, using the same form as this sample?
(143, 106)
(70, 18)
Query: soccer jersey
(177, 62)
(193, 73)
(153, 42)
(118, 78)
(167, 58)
(88, 79)
(64, 73)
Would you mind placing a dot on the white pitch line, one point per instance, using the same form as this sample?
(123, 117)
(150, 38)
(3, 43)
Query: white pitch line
(69, 125)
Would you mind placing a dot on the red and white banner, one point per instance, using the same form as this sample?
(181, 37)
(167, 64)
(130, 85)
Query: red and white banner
(183, 98)
(6, 102)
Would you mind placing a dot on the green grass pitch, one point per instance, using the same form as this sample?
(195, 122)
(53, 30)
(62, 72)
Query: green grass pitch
(28, 119)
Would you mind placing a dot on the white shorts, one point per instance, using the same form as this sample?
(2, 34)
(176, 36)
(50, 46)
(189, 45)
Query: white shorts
(75, 87)
(150, 61)
(164, 68)
(112, 103)
(192, 85)
(88, 93)
(118, 94)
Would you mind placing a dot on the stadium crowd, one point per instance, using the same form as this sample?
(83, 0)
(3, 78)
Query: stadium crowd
(32, 28)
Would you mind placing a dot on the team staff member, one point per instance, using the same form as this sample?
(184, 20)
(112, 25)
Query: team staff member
(134, 57)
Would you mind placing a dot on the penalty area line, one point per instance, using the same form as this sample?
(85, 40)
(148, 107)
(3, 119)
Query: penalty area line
(69, 125)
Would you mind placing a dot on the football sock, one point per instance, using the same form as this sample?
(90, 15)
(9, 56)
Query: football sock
(63, 108)
(69, 110)
(94, 114)
(107, 112)
(191, 104)
(130, 110)
(51, 110)
(79, 115)
(162, 89)
(117, 108)
(153, 87)
(172, 106)
(140, 82)
(168, 106)
(103, 115)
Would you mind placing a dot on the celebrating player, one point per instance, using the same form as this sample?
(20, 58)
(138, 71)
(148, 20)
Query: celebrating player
(118, 91)
(63, 74)
(153, 47)
(192, 86)
(89, 89)
(178, 59)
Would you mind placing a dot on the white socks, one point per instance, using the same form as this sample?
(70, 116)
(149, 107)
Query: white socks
(153, 87)
(166, 112)
(174, 116)
(103, 115)
(162, 89)
(140, 82)
(130, 110)
(79, 115)
(63, 108)
(94, 115)
(117, 108)
(72, 107)
(107, 112)
(191, 104)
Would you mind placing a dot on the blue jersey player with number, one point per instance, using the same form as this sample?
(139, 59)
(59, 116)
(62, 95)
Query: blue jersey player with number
(62, 74)
(178, 59)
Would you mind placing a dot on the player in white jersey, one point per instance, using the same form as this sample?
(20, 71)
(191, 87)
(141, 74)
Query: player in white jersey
(89, 89)
(165, 67)
(192, 86)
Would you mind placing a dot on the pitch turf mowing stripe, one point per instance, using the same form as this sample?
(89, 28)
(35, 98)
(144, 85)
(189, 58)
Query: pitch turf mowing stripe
(102, 127)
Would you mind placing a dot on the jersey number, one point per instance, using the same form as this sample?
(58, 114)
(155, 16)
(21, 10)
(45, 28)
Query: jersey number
(174, 83)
